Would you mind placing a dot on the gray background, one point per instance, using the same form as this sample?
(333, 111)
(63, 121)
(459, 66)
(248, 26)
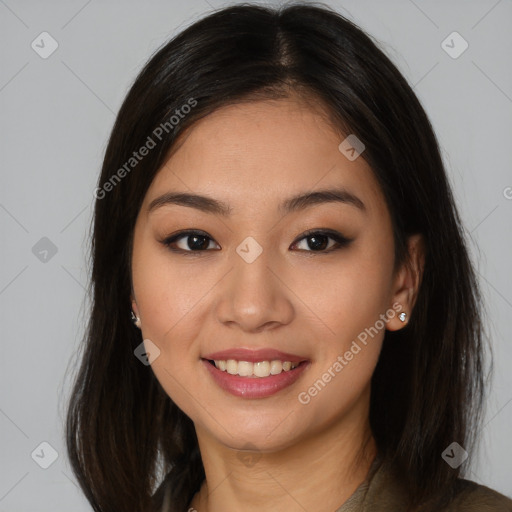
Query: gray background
(56, 115)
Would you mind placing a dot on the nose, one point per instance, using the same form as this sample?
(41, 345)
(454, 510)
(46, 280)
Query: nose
(253, 296)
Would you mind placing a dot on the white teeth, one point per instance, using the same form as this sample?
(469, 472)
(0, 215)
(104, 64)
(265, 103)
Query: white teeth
(245, 368)
(276, 367)
(231, 366)
(257, 369)
(261, 369)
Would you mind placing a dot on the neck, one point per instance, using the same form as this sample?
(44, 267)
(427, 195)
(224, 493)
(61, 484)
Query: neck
(316, 473)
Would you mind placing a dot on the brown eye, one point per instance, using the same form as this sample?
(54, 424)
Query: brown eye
(318, 241)
(188, 241)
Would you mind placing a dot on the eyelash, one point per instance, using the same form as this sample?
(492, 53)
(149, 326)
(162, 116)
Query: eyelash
(341, 241)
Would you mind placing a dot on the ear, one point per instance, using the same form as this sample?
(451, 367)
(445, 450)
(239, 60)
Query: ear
(134, 307)
(407, 282)
(135, 310)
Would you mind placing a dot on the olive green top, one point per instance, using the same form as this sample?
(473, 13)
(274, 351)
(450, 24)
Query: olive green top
(380, 492)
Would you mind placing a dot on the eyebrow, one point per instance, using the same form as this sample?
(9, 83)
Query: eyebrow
(299, 202)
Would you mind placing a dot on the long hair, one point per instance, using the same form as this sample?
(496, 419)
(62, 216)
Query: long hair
(123, 431)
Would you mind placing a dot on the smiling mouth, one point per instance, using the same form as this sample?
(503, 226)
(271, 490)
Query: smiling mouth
(257, 369)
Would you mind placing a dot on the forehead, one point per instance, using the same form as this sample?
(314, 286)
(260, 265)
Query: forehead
(253, 154)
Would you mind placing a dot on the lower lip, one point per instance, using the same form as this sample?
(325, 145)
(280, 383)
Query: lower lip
(255, 387)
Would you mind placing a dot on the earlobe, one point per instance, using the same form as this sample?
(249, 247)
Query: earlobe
(407, 283)
(397, 318)
(135, 314)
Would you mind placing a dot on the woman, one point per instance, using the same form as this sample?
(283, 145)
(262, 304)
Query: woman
(274, 215)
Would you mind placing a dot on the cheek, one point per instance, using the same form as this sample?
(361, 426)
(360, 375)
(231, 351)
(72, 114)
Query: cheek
(167, 301)
(346, 357)
(349, 296)
(351, 300)
(159, 287)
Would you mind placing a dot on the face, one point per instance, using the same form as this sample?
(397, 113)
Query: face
(267, 280)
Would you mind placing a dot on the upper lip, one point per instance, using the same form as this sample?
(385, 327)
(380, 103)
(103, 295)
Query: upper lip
(252, 355)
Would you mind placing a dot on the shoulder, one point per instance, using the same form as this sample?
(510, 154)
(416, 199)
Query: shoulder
(387, 492)
(473, 497)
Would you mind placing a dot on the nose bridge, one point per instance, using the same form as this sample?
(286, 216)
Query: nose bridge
(253, 296)
(251, 276)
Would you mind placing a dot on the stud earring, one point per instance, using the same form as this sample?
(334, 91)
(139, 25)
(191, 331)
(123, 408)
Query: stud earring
(402, 316)
(136, 320)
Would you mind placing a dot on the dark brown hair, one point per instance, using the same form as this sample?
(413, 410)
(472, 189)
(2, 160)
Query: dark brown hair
(123, 431)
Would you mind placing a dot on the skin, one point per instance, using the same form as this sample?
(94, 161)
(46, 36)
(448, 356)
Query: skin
(292, 297)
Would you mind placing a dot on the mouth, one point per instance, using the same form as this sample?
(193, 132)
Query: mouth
(256, 369)
(254, 373)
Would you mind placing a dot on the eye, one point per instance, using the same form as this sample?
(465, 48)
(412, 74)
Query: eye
(193, 241)
(197, 241)
(318, 241)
